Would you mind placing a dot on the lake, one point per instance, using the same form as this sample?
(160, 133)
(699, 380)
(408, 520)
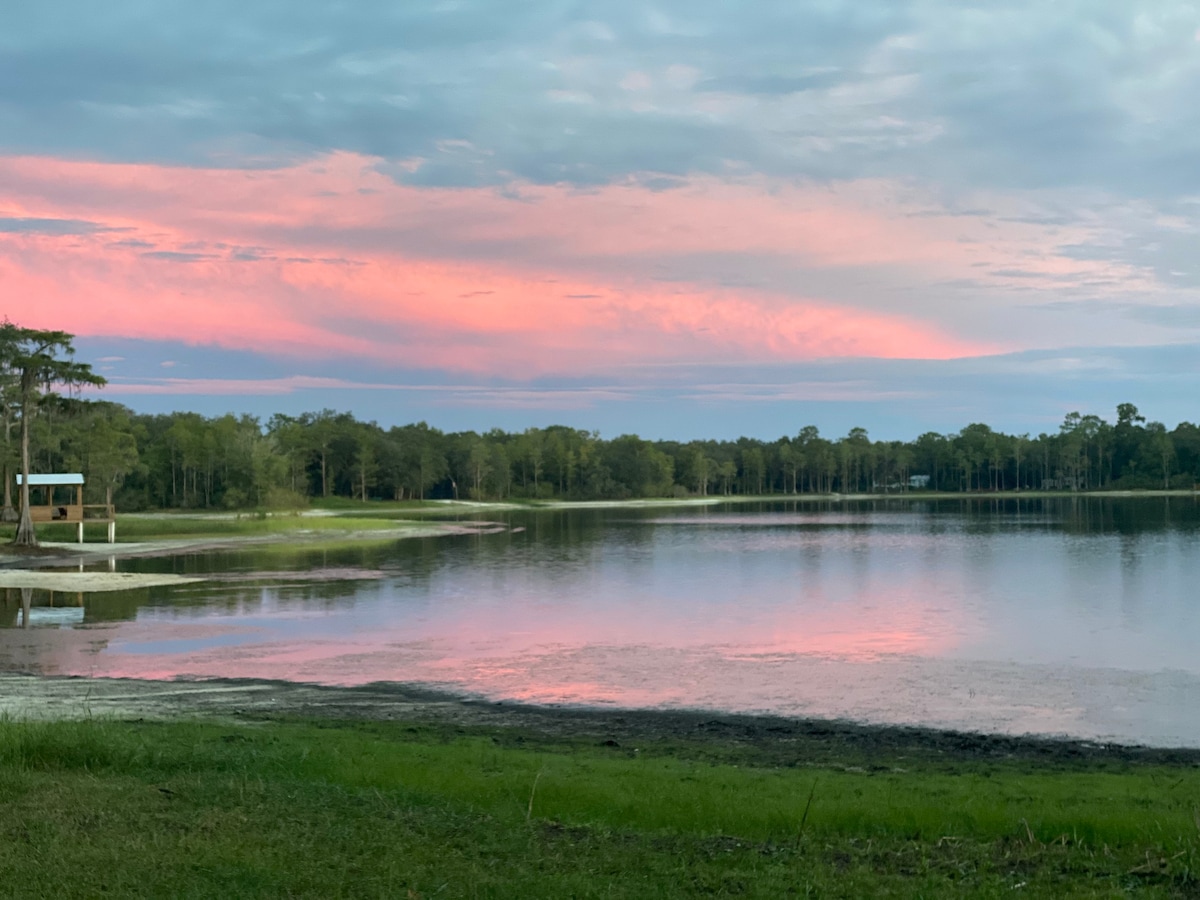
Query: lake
(1077, 617)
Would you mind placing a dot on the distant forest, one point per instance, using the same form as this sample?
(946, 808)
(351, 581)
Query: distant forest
(186, 461)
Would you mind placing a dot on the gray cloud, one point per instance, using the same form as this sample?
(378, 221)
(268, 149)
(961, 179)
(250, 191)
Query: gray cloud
(1092, 93)
(1168, 250)
(1012, 95)
(773, 84)
(49, 226)
(1178, 317)
(177, 256)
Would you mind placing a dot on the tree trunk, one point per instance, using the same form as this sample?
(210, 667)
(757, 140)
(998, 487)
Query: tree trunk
(7, 514)
(26, 536)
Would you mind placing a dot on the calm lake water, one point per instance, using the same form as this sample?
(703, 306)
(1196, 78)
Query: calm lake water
(1078, 617)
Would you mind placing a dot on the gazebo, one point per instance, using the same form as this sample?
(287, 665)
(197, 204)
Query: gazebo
(62, 501)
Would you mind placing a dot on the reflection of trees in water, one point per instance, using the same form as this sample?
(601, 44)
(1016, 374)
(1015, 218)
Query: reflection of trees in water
(560, 537)
(45, 648)
(257, 593)
(15, 611)
(99, 606)
(566, 540)
(1130, 516)
(10, 608)
(118, 606)
(107, 606)
(1072, 515)
(16, 604)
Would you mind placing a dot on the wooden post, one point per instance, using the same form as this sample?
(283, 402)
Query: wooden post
(81, 531)
(112, 531)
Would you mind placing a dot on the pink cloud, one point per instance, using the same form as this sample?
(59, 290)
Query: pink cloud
(334, 258)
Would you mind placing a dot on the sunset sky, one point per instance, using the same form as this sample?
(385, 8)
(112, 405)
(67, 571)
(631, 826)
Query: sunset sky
(682, 220)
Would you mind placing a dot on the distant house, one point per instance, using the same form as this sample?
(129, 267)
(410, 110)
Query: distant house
(1064, 483)
(918, 482)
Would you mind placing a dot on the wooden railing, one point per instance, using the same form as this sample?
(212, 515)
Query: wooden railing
(60, 513)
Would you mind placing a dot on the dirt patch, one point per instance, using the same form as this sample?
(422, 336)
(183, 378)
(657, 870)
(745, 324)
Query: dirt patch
(749, 739)
(86, 582)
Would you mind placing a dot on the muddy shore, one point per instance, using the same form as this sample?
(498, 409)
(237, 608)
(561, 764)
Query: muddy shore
(753, 739)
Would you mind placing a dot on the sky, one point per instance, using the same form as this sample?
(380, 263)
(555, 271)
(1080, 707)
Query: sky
(682, 220)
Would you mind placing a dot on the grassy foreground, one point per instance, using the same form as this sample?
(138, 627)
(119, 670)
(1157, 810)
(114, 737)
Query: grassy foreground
(366, 809)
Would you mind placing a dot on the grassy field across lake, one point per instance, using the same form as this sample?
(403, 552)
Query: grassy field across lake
(336, 808)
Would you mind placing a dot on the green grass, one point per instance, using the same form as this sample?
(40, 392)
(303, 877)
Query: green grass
(343, 504)
(389, 809)
(151, 527)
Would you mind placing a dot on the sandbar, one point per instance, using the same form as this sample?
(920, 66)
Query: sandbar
(87, 582)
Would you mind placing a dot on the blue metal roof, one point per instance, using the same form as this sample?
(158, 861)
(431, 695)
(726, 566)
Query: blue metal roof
(65, 478)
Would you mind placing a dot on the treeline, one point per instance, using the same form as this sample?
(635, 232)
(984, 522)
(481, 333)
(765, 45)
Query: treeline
(185, 460)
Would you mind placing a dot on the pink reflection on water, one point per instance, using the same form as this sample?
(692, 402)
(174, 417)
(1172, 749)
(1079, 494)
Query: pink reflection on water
(723, 629)
(785, 674)
(522, 652)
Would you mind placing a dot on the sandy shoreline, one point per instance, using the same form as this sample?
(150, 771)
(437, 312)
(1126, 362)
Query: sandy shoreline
(713, 500)
(50, 553)
(87, 582)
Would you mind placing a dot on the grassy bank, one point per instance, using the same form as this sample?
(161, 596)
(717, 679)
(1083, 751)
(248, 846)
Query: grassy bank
(391, 809)
(134, 527)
